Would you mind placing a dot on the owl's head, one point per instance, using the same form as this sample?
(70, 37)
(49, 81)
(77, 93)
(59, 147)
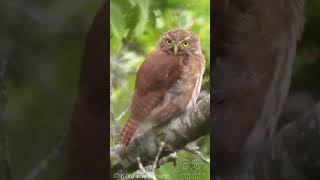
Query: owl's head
(179, 41)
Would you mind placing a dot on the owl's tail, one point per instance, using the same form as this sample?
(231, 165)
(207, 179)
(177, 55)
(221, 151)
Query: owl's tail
(128, 131)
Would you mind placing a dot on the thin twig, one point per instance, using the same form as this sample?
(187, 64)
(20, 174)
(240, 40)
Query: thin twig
(122, 114)
(115, 119)
(44, 163)
(152, 173)
(195, 150)
(162, 144)
(170, 158)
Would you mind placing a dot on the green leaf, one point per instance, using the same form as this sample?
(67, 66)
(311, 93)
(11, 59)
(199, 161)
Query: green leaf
(143, 6)
(118, 29)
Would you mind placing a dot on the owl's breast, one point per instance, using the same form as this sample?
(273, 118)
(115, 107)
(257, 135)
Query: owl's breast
(186, 90)
(183, 93)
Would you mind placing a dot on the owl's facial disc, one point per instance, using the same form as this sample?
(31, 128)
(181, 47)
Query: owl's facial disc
(171, 46)
(177, 47)
(180, 42)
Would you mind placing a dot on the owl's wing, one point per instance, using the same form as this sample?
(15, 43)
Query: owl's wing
(155, 77)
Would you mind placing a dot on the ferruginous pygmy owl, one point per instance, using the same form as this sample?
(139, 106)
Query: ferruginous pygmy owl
(168, 82)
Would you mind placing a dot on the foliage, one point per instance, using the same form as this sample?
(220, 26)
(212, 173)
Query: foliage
(128, 49)
(307, 65)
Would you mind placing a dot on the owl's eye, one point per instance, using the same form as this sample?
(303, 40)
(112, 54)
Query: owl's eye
(168, 41)
(186, 43)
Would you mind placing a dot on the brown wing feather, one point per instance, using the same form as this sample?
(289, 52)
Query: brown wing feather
(155, 77)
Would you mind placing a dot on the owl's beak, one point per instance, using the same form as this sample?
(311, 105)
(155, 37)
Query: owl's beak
(175, 49)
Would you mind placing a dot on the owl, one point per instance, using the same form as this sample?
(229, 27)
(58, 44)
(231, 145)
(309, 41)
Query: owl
(167, 83)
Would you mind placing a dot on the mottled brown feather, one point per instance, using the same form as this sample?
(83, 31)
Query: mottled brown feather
(155, 77)
(167, 82)
(128, 131)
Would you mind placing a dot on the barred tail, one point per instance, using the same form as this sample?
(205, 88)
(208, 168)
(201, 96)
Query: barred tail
(128, 131)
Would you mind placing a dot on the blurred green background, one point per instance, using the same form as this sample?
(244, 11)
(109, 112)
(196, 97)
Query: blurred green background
(44, 40)
(306, 74)
(135, 28)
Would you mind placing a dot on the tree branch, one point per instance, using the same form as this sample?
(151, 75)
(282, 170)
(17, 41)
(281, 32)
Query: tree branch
(195, 150)
(176, 134)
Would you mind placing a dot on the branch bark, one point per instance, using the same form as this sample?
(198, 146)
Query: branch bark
(176, 134)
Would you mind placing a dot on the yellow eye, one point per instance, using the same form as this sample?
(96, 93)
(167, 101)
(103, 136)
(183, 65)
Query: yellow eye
(186, 43)
(168, 41)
